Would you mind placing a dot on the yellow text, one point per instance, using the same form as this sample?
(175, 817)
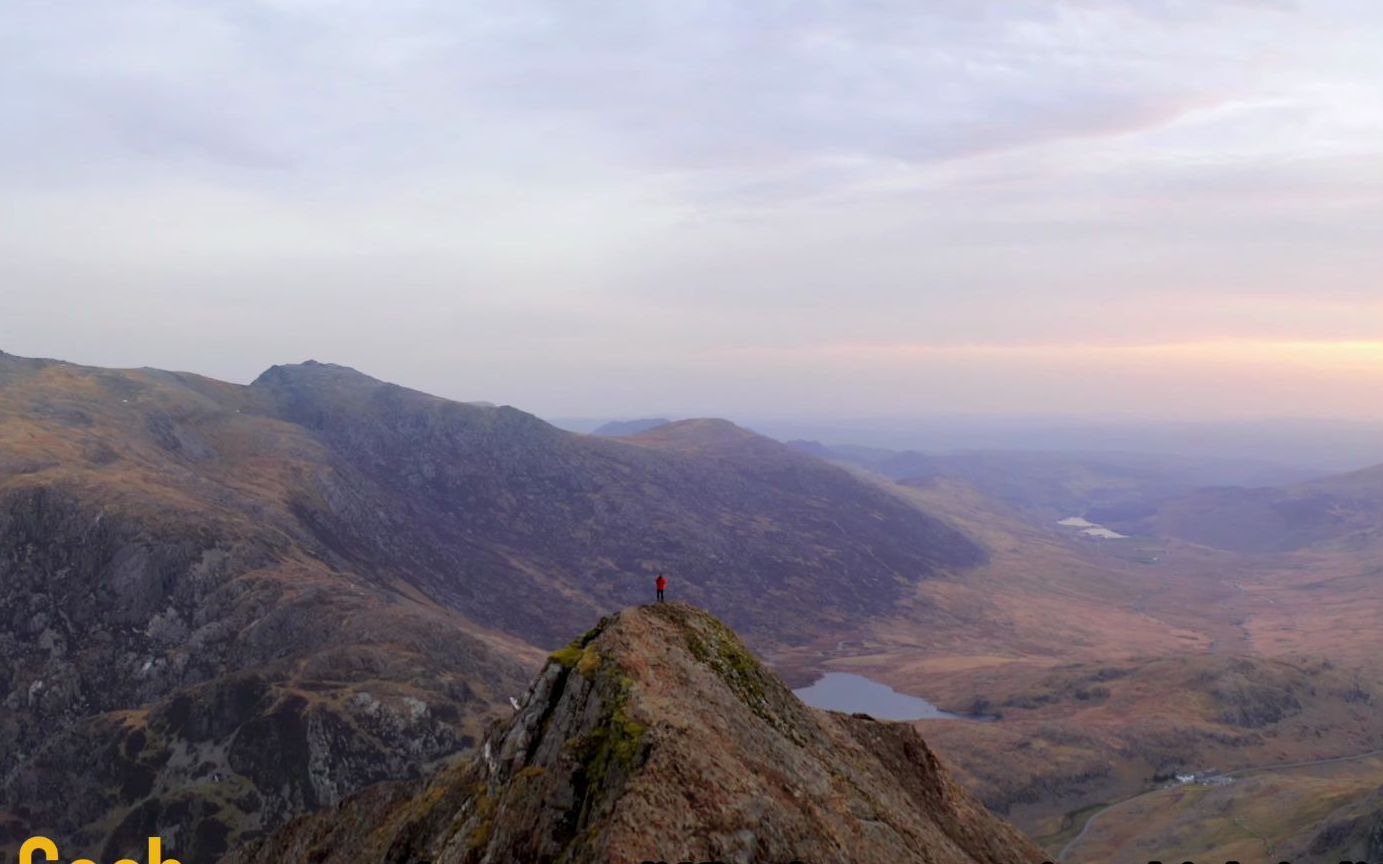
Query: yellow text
(49, 850)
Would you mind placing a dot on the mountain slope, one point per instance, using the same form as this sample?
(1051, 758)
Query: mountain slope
(179, 653)
(657, 736)
(515, 522)
(231, 604)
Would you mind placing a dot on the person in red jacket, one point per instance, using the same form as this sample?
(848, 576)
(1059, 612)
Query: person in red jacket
(662, 586)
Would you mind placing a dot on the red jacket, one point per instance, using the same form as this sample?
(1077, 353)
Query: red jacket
(662, 583)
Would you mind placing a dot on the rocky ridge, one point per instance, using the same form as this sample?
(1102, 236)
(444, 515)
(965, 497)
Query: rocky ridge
(658, 736)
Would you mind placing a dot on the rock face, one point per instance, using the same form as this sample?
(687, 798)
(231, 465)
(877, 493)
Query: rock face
(178, 655)
(658, 737)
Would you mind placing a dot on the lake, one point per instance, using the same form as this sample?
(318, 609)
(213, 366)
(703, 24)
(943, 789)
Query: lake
(844, 691)
(1091, 529)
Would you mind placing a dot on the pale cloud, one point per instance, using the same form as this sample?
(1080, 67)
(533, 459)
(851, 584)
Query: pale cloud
(587, 207)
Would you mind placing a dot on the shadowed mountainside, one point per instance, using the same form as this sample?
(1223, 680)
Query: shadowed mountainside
(551, 528)
(657, 736)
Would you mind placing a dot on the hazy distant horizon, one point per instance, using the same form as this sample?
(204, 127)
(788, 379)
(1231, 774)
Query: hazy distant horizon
(1138, 207)
(1318, 444)
(1313, 446)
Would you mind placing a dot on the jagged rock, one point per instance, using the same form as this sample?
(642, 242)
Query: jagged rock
(658, 737)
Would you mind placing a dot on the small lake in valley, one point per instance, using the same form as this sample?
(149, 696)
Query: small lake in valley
(844, 691)
(1091, 529)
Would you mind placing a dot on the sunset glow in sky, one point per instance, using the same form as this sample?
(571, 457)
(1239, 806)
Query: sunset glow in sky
(824, 208)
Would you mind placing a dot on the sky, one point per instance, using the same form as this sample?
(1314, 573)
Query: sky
(1067, 207)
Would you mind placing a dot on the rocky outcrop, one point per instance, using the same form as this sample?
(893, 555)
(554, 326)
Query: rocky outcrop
(658, 736)
(178, 682)
(1254, 695)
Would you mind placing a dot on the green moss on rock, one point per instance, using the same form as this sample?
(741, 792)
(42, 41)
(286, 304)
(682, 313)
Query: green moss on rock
(716, 646)
(567, 657)
(571, 655)
(613, 749)
(589, 663)
(731, 661)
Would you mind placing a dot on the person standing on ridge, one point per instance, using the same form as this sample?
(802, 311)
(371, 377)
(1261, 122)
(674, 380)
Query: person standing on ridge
(662, 586)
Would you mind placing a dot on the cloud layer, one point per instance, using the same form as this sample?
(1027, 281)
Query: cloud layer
(586, 207)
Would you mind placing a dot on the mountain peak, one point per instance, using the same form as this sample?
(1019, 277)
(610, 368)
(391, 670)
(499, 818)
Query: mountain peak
(708, 433)
(658, 736)
(625, 428)
(314, 370)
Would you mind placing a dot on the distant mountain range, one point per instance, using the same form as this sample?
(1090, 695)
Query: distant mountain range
(625, 428)
(1320, 446)
(1241, 506)
(231, 604)
(1046, 486)
(1344, 511)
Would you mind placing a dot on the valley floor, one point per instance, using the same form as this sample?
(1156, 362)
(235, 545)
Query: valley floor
(1115, 665)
